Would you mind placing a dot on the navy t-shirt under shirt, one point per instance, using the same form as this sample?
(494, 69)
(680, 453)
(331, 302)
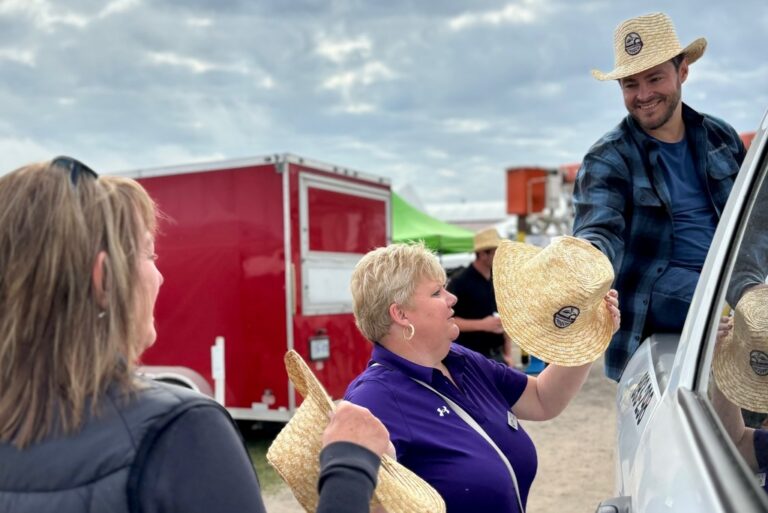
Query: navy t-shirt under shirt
(693, 216)
(435, 443)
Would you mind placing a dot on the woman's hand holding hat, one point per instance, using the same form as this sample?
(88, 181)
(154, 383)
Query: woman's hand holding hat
(355, 424)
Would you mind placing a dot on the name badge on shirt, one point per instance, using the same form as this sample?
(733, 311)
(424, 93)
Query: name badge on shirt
(512, 420)
(761, 479)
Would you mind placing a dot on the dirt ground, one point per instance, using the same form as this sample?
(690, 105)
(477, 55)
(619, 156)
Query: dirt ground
(576, 455)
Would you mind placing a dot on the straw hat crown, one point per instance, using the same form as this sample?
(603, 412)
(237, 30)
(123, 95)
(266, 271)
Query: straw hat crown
(295, 451)
(550, 300)
(644, 42)
(487, 239)
(741, 360)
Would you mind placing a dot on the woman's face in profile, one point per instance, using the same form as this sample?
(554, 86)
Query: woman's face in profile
(150, 280)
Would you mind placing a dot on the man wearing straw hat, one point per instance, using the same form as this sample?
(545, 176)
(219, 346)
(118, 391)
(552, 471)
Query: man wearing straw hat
(476, 313)
(650, 192)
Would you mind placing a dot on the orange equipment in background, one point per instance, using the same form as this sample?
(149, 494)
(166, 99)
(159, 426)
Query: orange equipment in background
(526, 190)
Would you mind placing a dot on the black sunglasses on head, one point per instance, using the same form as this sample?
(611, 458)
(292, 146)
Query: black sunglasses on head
(74, 167)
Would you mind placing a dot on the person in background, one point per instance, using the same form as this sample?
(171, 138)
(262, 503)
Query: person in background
(80, 431)
(650, 192)
(476, 314)
(419, 383)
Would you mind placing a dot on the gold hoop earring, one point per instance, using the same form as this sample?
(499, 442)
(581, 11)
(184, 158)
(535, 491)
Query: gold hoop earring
(411, 332)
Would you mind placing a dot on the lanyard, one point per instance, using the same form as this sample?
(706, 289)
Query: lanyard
(466, 417)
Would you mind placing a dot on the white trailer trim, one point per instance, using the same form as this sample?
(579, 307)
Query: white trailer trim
(218, 165)
(290, 274)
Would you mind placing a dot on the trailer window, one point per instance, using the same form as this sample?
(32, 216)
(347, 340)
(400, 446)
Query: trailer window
(345, 223)
(340, 221)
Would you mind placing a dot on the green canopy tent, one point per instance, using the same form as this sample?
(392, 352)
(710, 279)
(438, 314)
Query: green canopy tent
(411, 224)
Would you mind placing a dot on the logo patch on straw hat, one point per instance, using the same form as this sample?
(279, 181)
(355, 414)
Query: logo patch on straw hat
(632, 43)
(758, 360)
(565, 316)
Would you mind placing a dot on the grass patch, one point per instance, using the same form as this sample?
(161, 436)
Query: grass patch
(258, 441)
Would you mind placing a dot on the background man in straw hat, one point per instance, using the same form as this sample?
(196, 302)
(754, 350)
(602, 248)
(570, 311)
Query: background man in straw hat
(650, 192)
(475, 311)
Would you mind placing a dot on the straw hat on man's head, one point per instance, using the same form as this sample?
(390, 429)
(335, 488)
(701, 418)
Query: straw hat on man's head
(487, 239)
(296, 449)
(551, 300)
(741, 360)
(641, 43)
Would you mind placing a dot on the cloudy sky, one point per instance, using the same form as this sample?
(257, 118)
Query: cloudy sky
(438, 95)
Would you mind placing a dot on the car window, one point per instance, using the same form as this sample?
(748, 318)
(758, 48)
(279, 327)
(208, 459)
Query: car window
(734, 373)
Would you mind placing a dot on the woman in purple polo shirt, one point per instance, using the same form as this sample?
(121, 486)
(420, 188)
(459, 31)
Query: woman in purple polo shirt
(419, 382)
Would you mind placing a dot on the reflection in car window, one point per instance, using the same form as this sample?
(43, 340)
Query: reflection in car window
(739, 389)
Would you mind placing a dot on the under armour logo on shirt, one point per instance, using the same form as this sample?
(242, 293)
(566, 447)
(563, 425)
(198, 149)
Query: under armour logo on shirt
(443, 410)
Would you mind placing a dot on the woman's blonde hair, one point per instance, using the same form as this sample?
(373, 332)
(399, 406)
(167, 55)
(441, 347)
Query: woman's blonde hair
(385, 276)
(62, 343)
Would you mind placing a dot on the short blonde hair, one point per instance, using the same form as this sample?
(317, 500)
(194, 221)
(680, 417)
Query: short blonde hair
(385, 276)
(61, 346)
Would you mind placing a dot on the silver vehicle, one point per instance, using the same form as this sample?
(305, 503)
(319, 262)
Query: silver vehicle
(673, 451)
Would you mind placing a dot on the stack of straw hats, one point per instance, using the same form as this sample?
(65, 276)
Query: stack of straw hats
(296, 449)
(551, 300)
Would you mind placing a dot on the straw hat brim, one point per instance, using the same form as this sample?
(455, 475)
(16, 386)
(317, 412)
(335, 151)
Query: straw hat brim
(737, 381)
(295, 451)
(693, 52)
(529, 325)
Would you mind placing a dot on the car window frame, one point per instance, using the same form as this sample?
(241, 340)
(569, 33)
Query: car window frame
(732, 479)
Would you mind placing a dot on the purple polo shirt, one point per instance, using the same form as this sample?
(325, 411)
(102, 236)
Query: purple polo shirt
(435, 443)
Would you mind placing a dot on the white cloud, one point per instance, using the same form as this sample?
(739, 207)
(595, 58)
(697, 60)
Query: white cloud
(199, 22)
(348, 84)
(200, 66)
(465, 126)
(46, 14)
(340, 50)
(549, 89)
(42, 13)
(172, 59)
(511, 14)
(117, 7)
(358, 107)
(436, 153)
(370, 73)
(25, 57)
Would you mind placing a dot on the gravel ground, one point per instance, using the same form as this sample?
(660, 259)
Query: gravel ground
(576, 455)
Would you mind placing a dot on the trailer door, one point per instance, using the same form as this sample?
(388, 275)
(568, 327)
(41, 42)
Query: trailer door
(339, 221)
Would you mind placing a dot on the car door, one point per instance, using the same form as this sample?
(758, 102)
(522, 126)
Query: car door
(681, 440)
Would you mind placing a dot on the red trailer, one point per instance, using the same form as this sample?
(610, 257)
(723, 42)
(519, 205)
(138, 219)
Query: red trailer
(257, 255)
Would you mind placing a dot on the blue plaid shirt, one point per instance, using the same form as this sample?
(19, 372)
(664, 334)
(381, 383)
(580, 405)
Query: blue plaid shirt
(622, 207)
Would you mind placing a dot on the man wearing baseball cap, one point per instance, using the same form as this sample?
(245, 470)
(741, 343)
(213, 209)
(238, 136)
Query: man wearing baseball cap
(650, 192)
